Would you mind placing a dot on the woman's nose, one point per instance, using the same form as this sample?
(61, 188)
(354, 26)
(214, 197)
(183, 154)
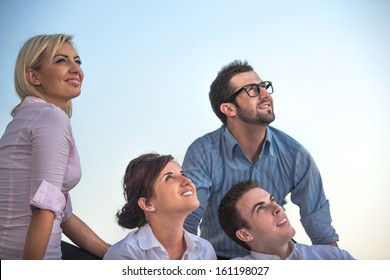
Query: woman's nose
(75, 67)
(185, 181)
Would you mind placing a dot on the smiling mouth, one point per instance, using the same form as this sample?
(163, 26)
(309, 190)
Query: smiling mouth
(187, 193)
(73, 82)
(282, 222)
(265, 105)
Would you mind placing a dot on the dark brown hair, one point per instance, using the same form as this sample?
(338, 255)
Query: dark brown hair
(220, 90)
(140, 176)
(228, 215)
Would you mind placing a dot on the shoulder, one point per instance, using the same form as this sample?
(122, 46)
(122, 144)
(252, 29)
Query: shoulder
(204, 147)
(49, 112)
(208, 140)
(284, 143)
(123, 249)
(35, 112)
(283, 137)
(323, 252)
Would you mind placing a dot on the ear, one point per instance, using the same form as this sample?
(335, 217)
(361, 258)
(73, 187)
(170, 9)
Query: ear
(228, 109)
(32, 77)
(145, 205)
(244, 235)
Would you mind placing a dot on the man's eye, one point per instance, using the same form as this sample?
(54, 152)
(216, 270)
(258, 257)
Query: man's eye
(251, 88)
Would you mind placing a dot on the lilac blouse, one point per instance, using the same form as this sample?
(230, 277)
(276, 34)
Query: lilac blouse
(39, 165)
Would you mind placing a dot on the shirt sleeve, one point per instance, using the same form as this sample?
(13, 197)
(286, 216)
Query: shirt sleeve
(309, 195)
(195, 167)
(68, 208)
(51, 142)
(50, 198)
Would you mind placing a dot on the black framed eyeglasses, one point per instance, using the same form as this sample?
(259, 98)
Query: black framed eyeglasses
(252, 90)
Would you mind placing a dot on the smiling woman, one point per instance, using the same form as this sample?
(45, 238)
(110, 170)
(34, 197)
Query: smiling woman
(39, 162)
(59, 78)
(159, 196)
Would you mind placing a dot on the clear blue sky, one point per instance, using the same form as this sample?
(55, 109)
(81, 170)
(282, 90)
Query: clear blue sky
(148, 66)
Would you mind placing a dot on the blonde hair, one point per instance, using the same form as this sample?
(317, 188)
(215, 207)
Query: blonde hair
(31, 56)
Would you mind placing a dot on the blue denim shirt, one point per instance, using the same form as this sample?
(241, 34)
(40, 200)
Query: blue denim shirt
(215, 162)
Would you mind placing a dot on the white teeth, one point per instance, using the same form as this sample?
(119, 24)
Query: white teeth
(281, 222)
(73, 82)
(187, 193)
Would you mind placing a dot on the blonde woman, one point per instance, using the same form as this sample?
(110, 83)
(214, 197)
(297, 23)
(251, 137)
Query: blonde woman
(39, 162)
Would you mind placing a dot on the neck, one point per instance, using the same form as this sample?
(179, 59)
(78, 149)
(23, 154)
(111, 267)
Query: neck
(283, 250)
(170, 234)
(250, 137)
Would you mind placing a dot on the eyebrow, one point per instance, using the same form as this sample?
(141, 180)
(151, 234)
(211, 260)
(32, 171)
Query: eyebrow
(261, 203)
(171, 173)
(66, 56)
(257, 204)
(166, 174)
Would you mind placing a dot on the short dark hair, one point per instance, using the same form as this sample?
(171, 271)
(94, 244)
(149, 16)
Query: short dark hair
(219, 89)
(140, 176)
(228, 215)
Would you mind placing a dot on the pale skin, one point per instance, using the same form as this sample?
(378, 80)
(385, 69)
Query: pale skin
(269, 230)
(82, 235)
(174, 198)
(59, 80)
(250, 134)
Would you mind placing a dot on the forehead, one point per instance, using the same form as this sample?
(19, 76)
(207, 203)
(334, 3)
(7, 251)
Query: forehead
(66, 48)
(241, 79)
(171, 166)
(250, 198)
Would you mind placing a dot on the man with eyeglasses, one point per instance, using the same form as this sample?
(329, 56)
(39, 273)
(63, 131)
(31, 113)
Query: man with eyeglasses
(245, 147)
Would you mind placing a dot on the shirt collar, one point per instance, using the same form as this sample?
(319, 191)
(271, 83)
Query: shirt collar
(295, 254)
(193, 245)
(148, 241)
(33, 99)
(231, 142)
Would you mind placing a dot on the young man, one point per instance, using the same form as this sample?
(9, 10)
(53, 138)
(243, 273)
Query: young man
(246, 147)
(250, 216)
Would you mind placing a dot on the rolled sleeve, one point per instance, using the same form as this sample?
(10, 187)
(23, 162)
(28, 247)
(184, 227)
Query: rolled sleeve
(49, 197)
(318, 226)
(68, 208)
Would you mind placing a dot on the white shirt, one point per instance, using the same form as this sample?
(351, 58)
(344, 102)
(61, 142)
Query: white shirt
(141, 244)
(305, 252)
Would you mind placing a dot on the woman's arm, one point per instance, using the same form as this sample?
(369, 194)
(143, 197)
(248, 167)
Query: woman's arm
(38, 234)
(83, 236)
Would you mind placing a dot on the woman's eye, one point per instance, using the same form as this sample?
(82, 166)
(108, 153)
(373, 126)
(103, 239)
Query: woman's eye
(60, 60)
(168, 177)
(79, 62)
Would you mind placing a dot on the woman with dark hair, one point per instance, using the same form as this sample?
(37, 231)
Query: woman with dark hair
(159, 197)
